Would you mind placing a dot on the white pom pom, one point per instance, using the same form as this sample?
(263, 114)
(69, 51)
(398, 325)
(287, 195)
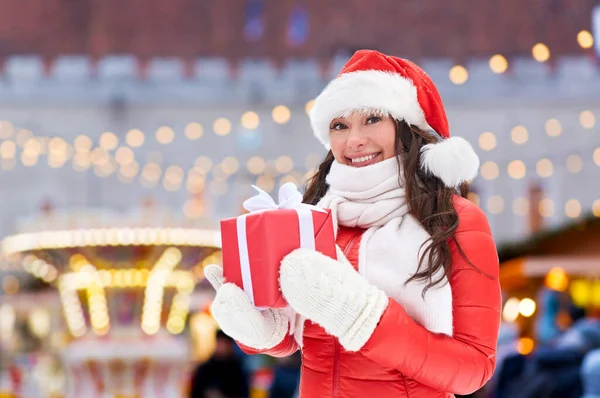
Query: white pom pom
(452, 160)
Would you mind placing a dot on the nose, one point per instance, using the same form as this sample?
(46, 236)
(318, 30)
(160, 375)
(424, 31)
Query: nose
(356, 139)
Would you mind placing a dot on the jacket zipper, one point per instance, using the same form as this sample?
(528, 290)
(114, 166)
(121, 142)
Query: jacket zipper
(336, 355)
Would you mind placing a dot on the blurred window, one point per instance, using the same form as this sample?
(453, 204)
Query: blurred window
(298, 26)
(255, 24)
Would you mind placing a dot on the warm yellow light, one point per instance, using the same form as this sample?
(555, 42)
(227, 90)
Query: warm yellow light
(521, 206)
(256, 165)
(510, 313)
(553, 127)
(516, 169)
(487, 141)
(557, 279)
(109, 141)
(546, 207)
(587, 119)
(165, 135)
(596, 207)
(135, 138)
(194, 131)
(527, 307)
(519, 135)
(458, 74)
(544, 168)
(585, 39)
(489, 170)
(498, 64)
(597, 156)
(573, 208)
(250, 120)
(525, 345)
(540, 52)
(495, 204)
(284, 164)
(281, 114)
(222, 126)
(309, 105)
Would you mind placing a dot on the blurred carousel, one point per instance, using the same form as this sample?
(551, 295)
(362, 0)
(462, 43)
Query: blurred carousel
(125, 283)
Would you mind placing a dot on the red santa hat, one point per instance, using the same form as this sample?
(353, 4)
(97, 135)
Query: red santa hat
(371, 80)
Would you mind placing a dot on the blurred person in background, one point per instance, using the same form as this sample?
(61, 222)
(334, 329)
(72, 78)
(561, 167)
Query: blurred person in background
(285, 377)
(421, 316)
(222, 375)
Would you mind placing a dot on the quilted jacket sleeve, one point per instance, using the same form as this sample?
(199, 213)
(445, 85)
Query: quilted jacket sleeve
(287, 347)
(463, 363)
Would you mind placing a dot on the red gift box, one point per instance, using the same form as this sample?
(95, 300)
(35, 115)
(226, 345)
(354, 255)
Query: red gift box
(254, 244)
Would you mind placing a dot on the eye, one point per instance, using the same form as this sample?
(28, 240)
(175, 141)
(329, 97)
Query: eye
(338, 126)
(373, 119)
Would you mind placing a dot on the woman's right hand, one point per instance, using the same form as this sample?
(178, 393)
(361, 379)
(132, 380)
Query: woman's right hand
(239, 319)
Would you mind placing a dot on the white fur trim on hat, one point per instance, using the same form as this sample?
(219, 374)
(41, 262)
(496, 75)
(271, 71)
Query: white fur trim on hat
(453, 160)
(371, 89)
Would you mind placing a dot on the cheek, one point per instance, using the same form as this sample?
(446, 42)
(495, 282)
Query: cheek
(386, 140)
(337, 143)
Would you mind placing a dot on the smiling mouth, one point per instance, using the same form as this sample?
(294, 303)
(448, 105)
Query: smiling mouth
(364, 160)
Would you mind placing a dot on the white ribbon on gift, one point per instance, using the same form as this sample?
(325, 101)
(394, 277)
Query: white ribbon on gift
(289, 198)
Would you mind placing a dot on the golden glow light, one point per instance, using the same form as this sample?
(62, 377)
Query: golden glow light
(587, 119)
(222, 126)
(510, 313)
(525, 345)
(309, 105)
(498, 64)
(487, 141)
(135, 138)
(519, 135)
(495, 204)
(489, 170)
(250, 120)
(193, 131)
(573, 208)
(165, 135)
(557, 279)
(546, 207)
(527, 307)
(540, 52)
(585, 39)
(281, 114)
(544, 168)
(516, 169)
(458, 74)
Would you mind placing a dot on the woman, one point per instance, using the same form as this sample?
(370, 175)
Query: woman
(411, 308)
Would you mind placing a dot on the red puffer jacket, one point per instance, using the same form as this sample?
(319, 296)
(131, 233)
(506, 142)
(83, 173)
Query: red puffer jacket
(402, 358)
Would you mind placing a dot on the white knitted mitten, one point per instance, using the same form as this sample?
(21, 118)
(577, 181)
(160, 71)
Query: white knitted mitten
(239, 319)
(333, 295)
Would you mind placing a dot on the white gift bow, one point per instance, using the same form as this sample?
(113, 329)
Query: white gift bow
(289, 198)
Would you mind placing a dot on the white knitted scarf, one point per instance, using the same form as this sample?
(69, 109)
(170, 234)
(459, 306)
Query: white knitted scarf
(371, 197)
(365, 197)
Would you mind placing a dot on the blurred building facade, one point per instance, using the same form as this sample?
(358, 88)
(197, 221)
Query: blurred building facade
(205, 98)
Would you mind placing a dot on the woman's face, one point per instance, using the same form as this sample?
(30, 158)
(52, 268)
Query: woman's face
(360, 140)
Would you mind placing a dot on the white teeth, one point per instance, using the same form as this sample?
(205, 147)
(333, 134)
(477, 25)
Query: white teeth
(364, 158)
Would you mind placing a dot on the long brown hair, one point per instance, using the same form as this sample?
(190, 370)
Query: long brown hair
(429, 201)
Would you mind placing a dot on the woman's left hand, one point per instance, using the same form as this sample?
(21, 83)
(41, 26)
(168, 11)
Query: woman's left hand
(333, 295)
